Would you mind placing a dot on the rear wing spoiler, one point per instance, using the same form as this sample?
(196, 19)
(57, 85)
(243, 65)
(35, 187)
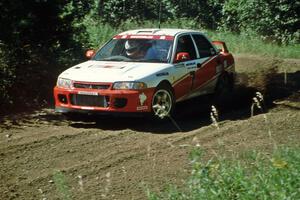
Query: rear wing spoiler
(221, 46)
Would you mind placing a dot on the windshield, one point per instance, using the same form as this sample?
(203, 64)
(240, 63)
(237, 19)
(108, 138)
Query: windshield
(135, 50)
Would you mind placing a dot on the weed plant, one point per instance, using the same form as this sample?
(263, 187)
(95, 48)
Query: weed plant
(61, 185)
(214, 116)
(258, 176)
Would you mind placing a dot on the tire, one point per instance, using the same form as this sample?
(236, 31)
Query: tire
(224, 90)
(163, 103)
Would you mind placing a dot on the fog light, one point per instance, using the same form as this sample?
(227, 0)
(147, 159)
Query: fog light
(120, 102)
(63, 98)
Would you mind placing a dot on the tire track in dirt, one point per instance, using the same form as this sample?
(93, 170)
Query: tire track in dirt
(124, 151)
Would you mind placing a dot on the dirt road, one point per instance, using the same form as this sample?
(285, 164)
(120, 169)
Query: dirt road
(45, 156)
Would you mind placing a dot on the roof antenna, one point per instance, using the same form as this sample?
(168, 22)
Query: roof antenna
(159, 15)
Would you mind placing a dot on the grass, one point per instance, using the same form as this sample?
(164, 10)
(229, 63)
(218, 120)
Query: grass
(243, 43)
(61, 185)
(256, 176)
(247, 44)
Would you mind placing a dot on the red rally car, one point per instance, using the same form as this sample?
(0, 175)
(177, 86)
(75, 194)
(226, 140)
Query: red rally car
(146, 71)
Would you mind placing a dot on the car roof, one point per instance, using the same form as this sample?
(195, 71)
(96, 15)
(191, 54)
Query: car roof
(153, 31)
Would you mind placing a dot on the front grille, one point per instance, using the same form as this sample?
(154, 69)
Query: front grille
(88, 100)
(91, 86)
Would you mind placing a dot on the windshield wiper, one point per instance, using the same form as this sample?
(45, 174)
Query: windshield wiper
(113, 59)
(116, 58)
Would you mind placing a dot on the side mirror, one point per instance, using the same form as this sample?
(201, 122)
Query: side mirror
(221, 46)
(182, 56)
(90, 53)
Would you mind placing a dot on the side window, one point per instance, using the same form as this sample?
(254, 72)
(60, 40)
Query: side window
(185, 44)
(205, 48)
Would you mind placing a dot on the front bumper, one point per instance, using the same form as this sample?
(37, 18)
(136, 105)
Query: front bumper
(106, 100)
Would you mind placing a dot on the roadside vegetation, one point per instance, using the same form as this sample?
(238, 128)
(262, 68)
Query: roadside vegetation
(253, 175)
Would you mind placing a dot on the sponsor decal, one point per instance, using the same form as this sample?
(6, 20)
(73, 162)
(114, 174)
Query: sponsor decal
(142, 108)
(88, 93)
(142, 98)
(189, 64)
(142, 36)
(163, 74)
(179, 65)
(155, 37)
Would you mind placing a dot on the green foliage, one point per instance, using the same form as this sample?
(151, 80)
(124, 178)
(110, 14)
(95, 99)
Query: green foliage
(7, 74)
(96, 33)
(115, 12)
(271, 19)
(35, 37)
(206, 13)
(258, 177)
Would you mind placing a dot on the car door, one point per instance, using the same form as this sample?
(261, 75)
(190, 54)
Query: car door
(207, 62)
(187, 67)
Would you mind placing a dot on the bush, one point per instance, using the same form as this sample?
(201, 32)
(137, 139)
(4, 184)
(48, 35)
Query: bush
(274, 21)
(7, 75)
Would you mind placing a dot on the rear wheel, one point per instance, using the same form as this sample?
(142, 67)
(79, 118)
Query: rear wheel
(224, 90)
(163, 101)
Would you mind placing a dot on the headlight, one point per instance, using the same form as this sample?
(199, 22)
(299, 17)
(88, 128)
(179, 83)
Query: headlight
(129, 85)
(64, 83)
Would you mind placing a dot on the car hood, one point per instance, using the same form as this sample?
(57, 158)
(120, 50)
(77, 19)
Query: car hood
(103, 71)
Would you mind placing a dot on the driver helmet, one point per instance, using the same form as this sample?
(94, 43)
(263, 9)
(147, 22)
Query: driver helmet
(132, 46)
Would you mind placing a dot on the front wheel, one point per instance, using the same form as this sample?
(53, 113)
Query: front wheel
(163, 101)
